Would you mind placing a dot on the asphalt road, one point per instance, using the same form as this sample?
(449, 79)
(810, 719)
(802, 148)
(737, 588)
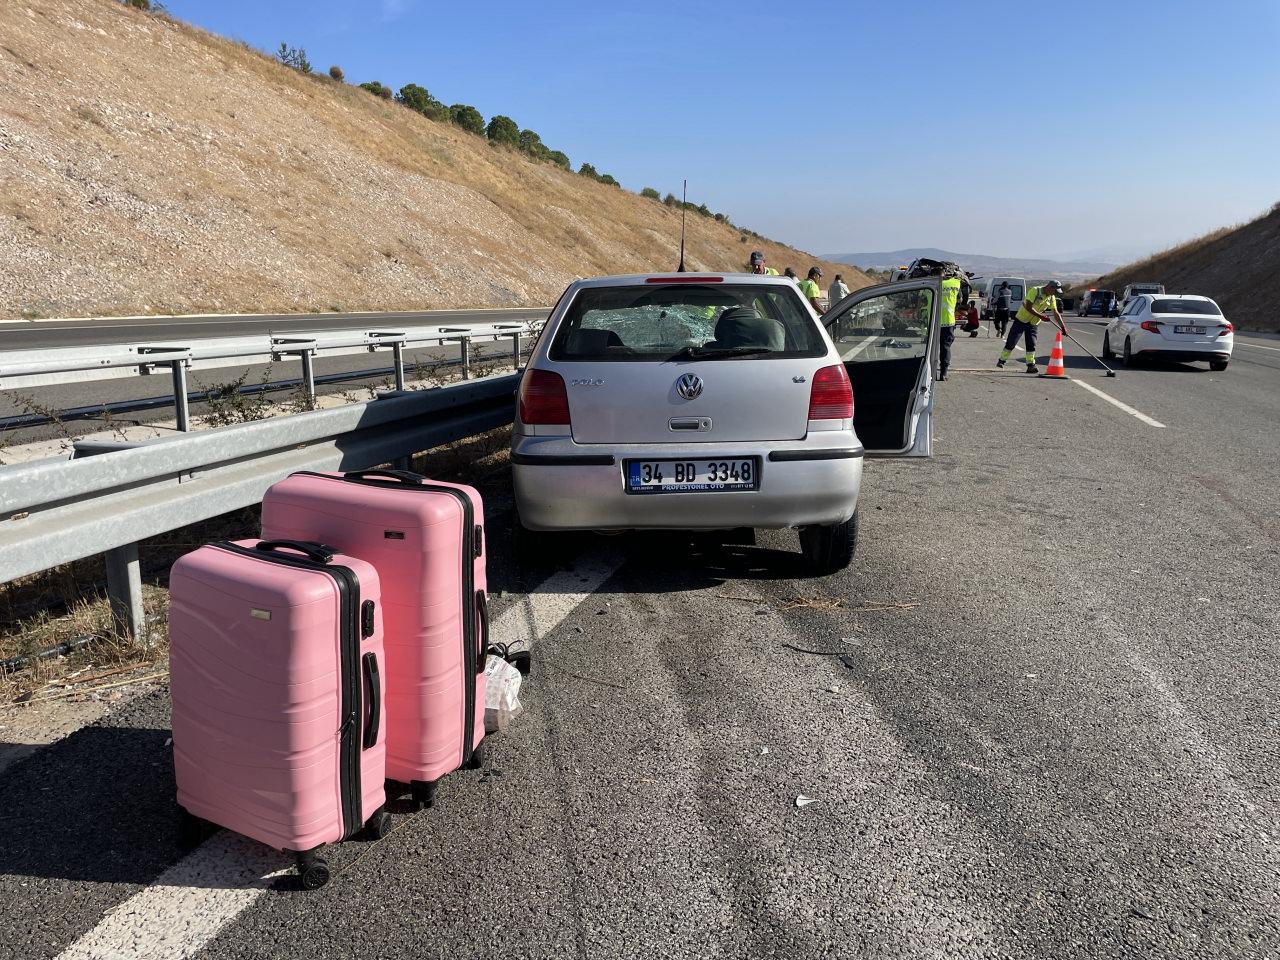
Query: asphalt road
(1042, 723)
(27, 335)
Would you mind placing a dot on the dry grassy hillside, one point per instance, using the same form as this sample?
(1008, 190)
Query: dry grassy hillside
(1237, 266)
(146, 166)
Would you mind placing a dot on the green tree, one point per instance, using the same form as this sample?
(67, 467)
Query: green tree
(467, 117)
(587, 170)
(650, 193)
(670, 200)
(336, 73)
(502, 129)
(418, 99)
(295, 57)
(532, 144)
(376, 88)
(703, 209)
(608, 178)
(560, 159)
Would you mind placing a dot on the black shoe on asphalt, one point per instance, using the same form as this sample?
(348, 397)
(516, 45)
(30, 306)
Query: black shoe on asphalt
(1032, 368)
(941, 377)
(999, 363)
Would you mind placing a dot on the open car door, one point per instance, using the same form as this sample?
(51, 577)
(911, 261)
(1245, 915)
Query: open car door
(887, 336)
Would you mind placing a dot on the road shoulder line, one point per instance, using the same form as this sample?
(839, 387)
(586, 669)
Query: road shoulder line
(1149, 421)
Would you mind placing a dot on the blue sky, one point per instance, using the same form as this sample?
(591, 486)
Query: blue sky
(1004, 128)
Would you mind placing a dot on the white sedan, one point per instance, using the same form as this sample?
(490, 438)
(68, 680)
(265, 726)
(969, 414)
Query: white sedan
(1182, 327)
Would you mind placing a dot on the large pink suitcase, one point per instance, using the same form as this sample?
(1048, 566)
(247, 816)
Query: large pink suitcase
(279, 730)
(426, 540)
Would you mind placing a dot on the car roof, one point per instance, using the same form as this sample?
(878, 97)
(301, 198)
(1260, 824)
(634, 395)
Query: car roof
(636, 279)
(1180, 296)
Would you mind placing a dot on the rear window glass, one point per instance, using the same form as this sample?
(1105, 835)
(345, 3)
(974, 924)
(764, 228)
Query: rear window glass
(657, 322)
(1100, 295)
(1145, 288)
(1015, 292)
(1173, 305)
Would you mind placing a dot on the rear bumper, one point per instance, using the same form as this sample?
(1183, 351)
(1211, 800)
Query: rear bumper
(1185, 355)
(561, 485)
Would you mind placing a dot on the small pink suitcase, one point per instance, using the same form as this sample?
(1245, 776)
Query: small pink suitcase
(426, 540)
(275, 674)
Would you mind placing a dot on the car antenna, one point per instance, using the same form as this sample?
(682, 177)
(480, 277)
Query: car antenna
(684, 212)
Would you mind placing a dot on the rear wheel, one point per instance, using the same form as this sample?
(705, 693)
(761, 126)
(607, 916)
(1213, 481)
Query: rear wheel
(1128, 352)
(1107, 352)
(1218, 365)
(829, 549)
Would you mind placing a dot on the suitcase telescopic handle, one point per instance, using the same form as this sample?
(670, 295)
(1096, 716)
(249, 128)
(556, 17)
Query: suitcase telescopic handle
(313, 551)
(373, 698)
(482, 607)
(405, 476)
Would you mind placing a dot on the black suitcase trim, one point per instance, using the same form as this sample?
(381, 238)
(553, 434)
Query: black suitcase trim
(350, 737)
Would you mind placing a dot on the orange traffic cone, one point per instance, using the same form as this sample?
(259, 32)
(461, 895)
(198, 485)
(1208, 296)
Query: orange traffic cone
(1056, 370)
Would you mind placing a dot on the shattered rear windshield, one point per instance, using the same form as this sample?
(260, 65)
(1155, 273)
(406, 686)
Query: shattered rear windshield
(1172, 305)
(656, 322)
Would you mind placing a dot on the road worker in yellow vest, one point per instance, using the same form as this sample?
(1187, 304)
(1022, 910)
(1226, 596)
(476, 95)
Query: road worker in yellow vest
(810, 290)
(757, 265)
(950, 294)
(1039, 304)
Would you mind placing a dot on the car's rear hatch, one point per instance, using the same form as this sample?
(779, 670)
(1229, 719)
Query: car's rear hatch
(747, 399)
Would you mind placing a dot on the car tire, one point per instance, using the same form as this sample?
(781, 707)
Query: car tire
(1107, 352)
(1129, 358)
(829, 549)
(1217, 366)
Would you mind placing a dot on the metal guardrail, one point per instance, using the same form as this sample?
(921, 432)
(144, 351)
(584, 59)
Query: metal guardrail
(21, 369)
(109, 496)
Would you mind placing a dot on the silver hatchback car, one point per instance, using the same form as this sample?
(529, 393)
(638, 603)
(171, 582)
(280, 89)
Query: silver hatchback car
(718, 401)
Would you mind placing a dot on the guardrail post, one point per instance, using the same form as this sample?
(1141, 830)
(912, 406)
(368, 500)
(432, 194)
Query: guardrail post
(124, 592)
(308, 375)
(397, 362)
(466, 357)
(516, 351)
(179, 368)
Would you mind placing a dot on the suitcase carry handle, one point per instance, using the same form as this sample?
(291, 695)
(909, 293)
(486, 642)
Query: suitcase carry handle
(313, 551)
(373, 697)
(482, 606)
(407, 476)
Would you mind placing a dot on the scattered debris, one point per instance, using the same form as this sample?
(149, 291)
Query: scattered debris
(833, 689)
(93, 691)
(764, 751)
(816, 602)
(803, 801)
(820, 653)
(578, 676)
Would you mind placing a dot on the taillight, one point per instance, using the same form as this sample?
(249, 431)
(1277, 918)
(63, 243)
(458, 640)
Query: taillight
(543, 398)
(1151, 326)
(831, 396)
(1223, 331)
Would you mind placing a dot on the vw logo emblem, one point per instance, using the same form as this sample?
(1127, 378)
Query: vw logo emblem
(689, 386)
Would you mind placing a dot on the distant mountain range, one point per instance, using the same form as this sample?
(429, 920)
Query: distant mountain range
(983, 266)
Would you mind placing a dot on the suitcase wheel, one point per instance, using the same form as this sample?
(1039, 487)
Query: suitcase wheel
(193, 830)
(313, 871)
(522, 660)
(423, 793)
(477, 757)
(379, 825)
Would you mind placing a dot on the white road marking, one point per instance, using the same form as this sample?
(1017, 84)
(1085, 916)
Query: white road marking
(862, 346)
(190, 903)
(187, 905)
(1260, 346)
(554, 599)
(1149, 421)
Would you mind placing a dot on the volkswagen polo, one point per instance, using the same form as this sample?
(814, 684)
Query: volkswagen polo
(720, 401)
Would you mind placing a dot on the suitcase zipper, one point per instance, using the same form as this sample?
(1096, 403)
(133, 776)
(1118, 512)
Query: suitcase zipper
(469, 553)
(349, 646)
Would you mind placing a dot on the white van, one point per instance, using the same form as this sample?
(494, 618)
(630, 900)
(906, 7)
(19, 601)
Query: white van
(1017, 288)
(1137, 289)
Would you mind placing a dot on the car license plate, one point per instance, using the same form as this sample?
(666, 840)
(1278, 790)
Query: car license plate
(693, 476)
(1189, 329)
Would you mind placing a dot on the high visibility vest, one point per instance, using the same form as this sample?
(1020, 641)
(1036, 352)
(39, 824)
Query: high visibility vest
(1038, 300)
(950, 292)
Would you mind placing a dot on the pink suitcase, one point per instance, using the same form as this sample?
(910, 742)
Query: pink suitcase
(426, 540)
(279, 731)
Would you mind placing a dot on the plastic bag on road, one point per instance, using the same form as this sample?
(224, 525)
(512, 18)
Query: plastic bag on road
(501, 694)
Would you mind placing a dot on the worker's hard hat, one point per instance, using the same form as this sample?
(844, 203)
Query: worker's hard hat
(757, 257)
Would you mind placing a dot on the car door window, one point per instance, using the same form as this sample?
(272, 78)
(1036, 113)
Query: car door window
(885, 341)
